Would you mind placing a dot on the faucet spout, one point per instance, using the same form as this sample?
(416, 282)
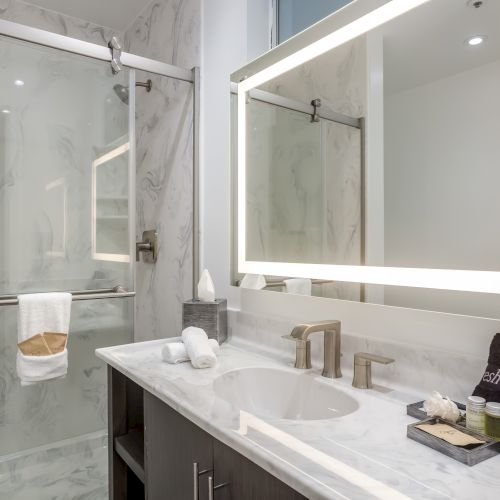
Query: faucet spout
(331, 346)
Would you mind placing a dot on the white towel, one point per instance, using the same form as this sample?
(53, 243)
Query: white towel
(253, 281)
(175, 352)
(298, 286)
(199, 351)
(38, 313)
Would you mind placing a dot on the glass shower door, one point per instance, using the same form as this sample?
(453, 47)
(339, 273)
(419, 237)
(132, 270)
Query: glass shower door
(66, 223)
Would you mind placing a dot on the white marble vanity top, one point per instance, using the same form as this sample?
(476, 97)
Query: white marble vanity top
(363, 455)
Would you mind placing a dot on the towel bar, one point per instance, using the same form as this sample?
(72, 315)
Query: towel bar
(281, 283)
(117, 292)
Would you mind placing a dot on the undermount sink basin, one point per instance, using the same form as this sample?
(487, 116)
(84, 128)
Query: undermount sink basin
(283, 394)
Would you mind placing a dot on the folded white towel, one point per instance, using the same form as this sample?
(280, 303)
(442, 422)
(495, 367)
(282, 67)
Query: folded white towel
(253, 281)
(38, 313)
(175, 352)
(298, 286)
(198, 349)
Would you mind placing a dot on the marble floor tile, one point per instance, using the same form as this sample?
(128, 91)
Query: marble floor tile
(74, 469)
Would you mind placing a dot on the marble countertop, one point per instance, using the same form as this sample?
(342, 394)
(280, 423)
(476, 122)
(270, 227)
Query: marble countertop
(363, 455)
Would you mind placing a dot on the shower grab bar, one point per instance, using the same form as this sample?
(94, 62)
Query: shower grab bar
(118, 292)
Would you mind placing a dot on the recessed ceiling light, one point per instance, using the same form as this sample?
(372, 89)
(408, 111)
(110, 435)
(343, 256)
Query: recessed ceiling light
(476, 40)
(476, 4)
(6, 111)
(18, 83)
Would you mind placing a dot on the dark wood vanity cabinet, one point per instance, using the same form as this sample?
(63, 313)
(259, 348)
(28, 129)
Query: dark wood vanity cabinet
(157, 454)
(173, 448)
(242, 479)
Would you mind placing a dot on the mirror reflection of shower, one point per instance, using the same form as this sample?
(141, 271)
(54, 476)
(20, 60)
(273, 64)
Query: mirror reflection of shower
(122, 91)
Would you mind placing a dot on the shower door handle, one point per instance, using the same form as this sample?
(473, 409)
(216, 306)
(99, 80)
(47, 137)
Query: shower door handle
(148, 246)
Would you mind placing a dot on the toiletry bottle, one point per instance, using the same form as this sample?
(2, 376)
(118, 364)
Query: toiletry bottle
(475, 415)
(492, 420)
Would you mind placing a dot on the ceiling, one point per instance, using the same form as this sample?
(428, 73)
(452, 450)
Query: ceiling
(115, 14)
(428, 43)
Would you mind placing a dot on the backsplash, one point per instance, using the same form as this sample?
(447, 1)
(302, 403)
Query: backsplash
(416, 369)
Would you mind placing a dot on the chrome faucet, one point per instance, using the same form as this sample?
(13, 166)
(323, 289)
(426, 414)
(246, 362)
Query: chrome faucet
(300, 334)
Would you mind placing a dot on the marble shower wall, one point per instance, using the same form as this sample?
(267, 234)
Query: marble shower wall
(168, 31)
(36, 17)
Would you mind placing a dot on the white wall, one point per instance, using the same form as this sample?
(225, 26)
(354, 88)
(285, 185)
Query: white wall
(442, 149)
(225, 48)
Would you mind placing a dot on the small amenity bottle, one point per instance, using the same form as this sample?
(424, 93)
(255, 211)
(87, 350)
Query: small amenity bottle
(492, 420)
(475, 414)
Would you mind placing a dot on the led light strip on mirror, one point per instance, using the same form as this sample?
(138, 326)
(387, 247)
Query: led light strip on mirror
(445, 279)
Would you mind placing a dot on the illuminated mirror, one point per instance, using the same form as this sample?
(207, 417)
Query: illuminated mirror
(365, 153)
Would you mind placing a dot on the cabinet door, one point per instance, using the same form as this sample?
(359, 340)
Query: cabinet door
(237, 478)
(173, 445)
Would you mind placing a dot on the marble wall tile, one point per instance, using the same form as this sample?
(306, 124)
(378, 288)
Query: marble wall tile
(417, 369)
(338, 78)
(73, 468)
(164, 202)
(36, 17)
(169, 31)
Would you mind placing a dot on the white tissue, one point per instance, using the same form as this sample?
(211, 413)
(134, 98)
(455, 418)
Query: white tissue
(438, 406)
(253, 281)
(206, 289)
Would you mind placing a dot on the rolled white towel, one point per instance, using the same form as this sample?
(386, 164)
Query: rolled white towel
(198, 349)
(175, 352)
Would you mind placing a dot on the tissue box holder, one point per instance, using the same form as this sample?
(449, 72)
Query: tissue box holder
(211, 316)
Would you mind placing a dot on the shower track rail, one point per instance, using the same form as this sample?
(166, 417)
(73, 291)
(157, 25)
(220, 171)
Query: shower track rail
(117, 292)
(68, 44)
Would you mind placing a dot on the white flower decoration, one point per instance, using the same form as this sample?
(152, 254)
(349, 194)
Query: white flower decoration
(438, 406)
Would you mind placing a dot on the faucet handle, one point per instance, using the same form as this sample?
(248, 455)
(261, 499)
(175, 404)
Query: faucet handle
(363, 368)
(364, 359)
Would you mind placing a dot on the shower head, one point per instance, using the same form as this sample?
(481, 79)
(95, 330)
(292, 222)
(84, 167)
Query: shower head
(122, 92)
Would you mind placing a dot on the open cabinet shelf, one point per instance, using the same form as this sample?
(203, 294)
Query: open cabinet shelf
(130, 447)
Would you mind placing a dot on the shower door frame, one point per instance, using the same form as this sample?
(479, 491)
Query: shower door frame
(134, 62)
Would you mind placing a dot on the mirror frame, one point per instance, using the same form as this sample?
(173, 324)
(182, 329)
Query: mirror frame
(352, 21)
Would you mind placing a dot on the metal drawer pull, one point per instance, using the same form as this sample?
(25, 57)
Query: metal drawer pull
(212, 488)
(195, 480)
(196, 474)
